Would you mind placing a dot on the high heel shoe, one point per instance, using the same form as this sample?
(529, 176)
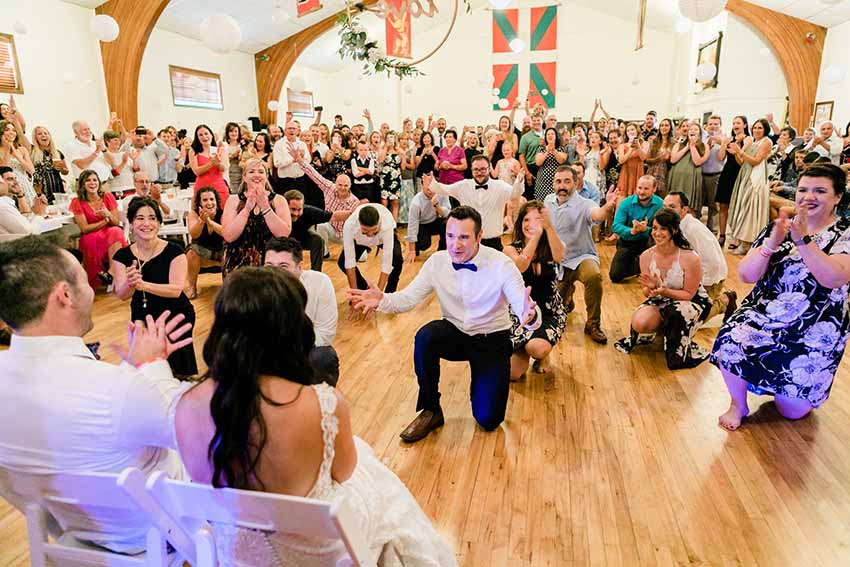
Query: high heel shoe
(721, 240)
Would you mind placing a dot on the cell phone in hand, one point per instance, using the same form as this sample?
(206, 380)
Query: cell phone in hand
(318, 108)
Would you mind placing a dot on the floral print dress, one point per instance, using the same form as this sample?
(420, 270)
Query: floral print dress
(544, 292)
(789, 334)
(391, 177)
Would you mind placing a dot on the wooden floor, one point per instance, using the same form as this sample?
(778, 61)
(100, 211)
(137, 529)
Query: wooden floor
(611, 460)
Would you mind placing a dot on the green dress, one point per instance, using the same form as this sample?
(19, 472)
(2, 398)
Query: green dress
(686, 177)
(749, 208)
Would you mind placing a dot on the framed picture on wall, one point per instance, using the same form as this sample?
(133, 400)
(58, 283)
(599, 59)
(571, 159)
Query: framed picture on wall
(823, 112)
(709, 52)
(300, 103)
(198, 89)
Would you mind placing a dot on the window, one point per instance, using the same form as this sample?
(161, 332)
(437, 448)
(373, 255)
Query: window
(10, 73)
(195, 88)
(300, 103)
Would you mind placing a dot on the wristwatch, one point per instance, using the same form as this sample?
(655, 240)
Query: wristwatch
(803, 241)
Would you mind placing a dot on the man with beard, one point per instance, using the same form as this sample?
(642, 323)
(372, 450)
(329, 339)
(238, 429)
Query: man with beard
(633, 223)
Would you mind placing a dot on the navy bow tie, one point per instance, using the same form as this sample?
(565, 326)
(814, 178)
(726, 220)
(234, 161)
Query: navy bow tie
(467, 266)
(485, 186)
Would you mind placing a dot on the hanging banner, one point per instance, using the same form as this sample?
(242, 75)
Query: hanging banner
(544, 28)
(305, 7)
(506, 79)
(505, 28)
(397, 28)
(542, 83)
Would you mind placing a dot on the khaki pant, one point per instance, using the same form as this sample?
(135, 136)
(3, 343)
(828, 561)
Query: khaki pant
(719, 300)
(587, 272)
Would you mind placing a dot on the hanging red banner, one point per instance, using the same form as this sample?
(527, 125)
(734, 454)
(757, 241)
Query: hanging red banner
(398, 30)
(307, 6)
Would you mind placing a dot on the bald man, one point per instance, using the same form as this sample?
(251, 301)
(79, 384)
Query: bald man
(289, 174)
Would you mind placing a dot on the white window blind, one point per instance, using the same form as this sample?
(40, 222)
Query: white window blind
(10, 73)
(198, 89)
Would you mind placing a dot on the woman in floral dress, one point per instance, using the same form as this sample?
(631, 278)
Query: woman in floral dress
(788, 336)
(391, 160)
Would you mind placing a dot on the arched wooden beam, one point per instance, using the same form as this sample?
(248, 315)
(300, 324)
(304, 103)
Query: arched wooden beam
(799, 58)
(273, 64)
(122, 58)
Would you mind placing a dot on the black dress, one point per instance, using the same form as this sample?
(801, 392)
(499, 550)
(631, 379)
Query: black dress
(428, 162)
(156, 271)
(726, 183)
(544, 292)
(312, 194)
(48, 177)
(250, 247)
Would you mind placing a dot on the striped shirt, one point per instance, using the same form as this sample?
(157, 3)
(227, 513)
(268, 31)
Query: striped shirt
(332, 202)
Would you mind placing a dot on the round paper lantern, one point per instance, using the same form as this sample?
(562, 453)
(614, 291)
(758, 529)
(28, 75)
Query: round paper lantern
(834, 74)
(495, 92)
(706, 72)
(19, 27)
(500, 4)
(516, 45)
(221, 33)
(701, 10)
(273, 105)
(104, 27)
(503, 103)
(297, 84)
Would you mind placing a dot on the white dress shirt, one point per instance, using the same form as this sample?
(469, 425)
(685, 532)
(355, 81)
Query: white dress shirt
(352, 234)
(490, 202)
(474, 302)
(705, 244)
(321, 306)
(13, 222)
(76, 150)
(64, 411)
(836, 145)
(283, 160)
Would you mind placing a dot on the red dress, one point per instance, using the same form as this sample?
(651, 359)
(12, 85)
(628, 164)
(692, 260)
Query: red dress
(212, 178)
(95, 245)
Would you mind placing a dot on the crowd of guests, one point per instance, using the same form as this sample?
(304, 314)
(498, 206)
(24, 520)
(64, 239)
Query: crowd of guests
(669, 195)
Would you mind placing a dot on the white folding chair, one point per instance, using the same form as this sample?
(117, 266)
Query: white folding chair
(189, 504)
(75, 509)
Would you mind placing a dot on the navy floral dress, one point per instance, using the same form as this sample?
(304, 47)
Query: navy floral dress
(789, 334)
(544, 292)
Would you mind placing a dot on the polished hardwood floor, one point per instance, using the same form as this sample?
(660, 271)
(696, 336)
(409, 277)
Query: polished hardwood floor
(609, 460)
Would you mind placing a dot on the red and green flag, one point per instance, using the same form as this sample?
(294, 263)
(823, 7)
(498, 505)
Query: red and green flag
(506, 79)
(505, 28)
(544, 28)
(541, 79)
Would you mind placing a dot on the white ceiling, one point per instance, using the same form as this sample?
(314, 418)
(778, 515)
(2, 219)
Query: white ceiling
(265, 22)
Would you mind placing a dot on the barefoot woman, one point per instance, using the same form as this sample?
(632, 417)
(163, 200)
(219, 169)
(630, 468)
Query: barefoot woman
(789, 334)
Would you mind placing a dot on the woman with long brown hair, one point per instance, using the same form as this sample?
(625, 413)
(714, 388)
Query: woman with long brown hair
(537, 250)
(658, 150)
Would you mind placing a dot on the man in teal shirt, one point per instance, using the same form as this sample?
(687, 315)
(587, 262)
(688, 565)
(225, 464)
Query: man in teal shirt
(633, 223)
(528, 146)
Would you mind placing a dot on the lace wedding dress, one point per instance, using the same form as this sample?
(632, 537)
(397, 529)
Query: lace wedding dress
(397, 530)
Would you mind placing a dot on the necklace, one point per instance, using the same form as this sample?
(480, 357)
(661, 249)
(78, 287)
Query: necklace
(141, 266)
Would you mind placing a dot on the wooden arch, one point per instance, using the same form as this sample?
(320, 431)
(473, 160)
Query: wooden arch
(122, 58)
(800, 58)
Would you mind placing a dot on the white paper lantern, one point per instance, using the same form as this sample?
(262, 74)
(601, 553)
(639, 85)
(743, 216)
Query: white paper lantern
(544, 92)
(273, 105)
(701, 10)
(834, 74)
(19, 27)
(297, 84)
(503, 103)
(408, 89)
(516, 45)
(221, 33)
(500, 4)
(104, 27)
(706, 72)
(683, 25)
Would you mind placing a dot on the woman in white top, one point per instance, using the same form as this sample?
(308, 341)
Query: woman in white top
(17, 156)
(120, 163)
(749, 208)
(676, 304)
(592, 170)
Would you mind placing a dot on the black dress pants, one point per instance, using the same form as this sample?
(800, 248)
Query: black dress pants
(437, 227)
(398, 263)
(626, 261)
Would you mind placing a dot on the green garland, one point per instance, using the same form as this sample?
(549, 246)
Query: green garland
(354, 43)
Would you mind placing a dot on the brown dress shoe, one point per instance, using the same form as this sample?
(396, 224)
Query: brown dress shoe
(420, 427)
(596, 334)
(732, 306)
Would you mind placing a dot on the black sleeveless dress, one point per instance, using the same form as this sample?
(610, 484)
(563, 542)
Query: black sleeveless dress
(250, 247)
(544, 292)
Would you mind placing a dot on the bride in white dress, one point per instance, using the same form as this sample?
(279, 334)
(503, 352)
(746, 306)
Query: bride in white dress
(257, 423)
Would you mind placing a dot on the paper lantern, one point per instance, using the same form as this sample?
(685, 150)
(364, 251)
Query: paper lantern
(706, 72)
(273, 105)
(19, 27)
(297, 84)
(834, 74)
(516, 45)
(701, 10)
(221, 33)
(500, 4)
(503, 103)
(544, 92)
(104, 27)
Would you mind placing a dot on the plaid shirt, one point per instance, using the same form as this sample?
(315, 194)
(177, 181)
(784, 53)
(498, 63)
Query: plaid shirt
(332, 202)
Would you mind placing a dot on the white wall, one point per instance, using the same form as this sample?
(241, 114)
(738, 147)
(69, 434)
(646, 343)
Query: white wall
(156, 106)
(457, 85)
(60, 64)
(750, 80)
(837, 52)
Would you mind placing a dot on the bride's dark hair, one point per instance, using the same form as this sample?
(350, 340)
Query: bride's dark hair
(260, 329)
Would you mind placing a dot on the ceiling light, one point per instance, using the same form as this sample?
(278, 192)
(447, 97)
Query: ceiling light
(516, 45)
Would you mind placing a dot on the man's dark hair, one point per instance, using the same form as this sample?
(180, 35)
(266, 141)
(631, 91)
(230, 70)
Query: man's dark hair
(337, 116)
(828, 170)
(792, 133)
(578, 164)
(451, 131)
(464, 212)
(286, 244)
(137, 203)
(652, 113)
(140, 130)
(293, 195)
(683, 199)
(30, 267)
(4, 169)
(478, 157)
(368, 216)
(569, 168)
